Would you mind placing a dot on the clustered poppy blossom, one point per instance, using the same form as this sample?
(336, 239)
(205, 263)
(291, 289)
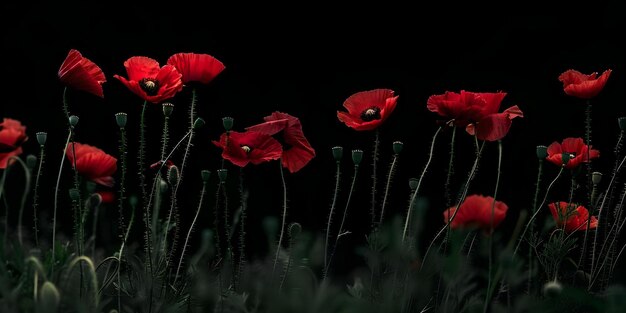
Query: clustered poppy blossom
(12, 136)
(581, 85)
(368, 109)
(92, 163)
(475, 211)
(297, 151)
(577, 149)
(572, 216)
(476, 111)
(81, 73)
(150, 81)
(241, 148)
(196, 67)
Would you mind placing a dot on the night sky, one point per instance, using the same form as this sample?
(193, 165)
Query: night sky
(306, 61)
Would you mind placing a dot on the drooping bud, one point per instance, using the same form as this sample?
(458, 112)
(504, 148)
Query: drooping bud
(172, 175)
(622, 123)
(542, 152)
(596, 177)
(95, 200)
(228, 122)
(205, 174)
(397, 147)
(73, 120)
(198, 123)
(337, 153)
(42, 137)
(168, 108)
(74, 194)
(121, 119)
(49, 297)
(163, 185)
(295, 229)
(413, 183)
(552, 289)
(222, 174)
(31, 161)
(357, 156)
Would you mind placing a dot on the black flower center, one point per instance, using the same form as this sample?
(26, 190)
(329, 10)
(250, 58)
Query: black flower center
(150, 86)
(371, 114)
(247, 149)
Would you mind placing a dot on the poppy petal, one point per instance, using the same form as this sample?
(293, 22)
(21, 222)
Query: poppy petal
(140, 67)
(196, 67)
(361, 101)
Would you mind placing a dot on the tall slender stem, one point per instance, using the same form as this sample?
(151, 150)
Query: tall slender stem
(330, 215)
(450, 170)
(193, 223)
(56, 200)
(36, 194)
(284, 217)
(491, 221)
(122, 182)
(392, 169)
(589, 182)
(532, 224)
(374, 176)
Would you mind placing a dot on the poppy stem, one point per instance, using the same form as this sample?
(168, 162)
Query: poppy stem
(56, 201)
(66, 107)
(284, 217)
(122, 188)
(532, 224)
(392, 169)
(532, 218)
(374, 176)
(491, 221)
(450, 170)
(165, 136)
(330, 215)
(589, 182)
(142, 185)
(120, 256)
(243, 202)
(36, 194)
(419, 183)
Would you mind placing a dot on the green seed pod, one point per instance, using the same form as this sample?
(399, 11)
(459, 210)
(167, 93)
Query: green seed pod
(198, 123)
(337, 153)
(413, 183)
(596, 177)
(42, 137)
(622, 123)
(121, 119)
(222, 174)
(542, 152)
(74, 194)
(31, 161)
(357, 156)
(73, 120)
(228, 122)
(397, 147)
(133, 200)
(168, 108)
(205, 174)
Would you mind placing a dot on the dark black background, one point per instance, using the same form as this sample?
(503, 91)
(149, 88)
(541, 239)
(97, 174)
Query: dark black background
(306, 59)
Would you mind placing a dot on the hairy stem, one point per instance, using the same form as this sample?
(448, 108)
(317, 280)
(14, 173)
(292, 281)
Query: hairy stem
(56, 199)
(493, 207)
(36, 194)
(374, 176)
(392, 169)
(450, 170)
(532, 223)
(589, 182)
(330, 215)
(284, 218)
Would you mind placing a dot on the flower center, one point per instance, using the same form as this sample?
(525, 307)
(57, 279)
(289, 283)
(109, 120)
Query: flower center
(371, 114)
(247, 149)
(150, 86)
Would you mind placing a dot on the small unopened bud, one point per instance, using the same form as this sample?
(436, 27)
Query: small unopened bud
(228, 122)
(133, 201)
(294, 230)
(222, 174)
(413, 183)
(73, 120)
(596, 177)
(163, 186)
(205, 174)
(42, 137)
(91, 186)
(622, 123)
(542, 152)
(270, 225)
(337, 153)
(397, 147)
(552, 289)
(357, 156)
(31, 161)
(172, 175)
(198, 123)
(49, 297)
(74, 194)
(168, 108)
(565, 157)
(95, 200)
(121, 119)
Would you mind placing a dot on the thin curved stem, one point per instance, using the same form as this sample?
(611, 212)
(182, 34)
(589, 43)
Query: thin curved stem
(284, 217)
(493, 207)
(330, 215)
(532, 225)
(56, 200)
(450, 171)
(387, 186)
(36, 195)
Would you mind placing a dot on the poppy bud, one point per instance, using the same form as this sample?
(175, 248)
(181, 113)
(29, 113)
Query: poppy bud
(163, 186)
(596, 177)
(413, 183)
(270, 225)
(168, 108)
(565, 157)
(205, 174)
(397, 147)
(198, 123)
(74, 194)
(41, 138)
(91, 186)
(133, 201)
(49, 297)
(73, 120)
(357, 156)
(542, 152)
(227, 122)
(95, 200)
(552, 289)
(172, 175)
(121, 119)
(337, 153)
(622, 123)
(31, 161)
(294, 230)
(222, 174)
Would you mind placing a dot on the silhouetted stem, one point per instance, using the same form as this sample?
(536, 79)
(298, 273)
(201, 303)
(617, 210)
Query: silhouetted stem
(330, 215)
(284, 217)
(493, 207)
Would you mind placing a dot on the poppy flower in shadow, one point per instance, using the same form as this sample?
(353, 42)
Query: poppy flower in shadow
(581, 85)
(576, 148)
(81, 73)
(12, 136)
(475, 211)
(494, 126)
(465, 107)
(248, 147)
(572, 217)
(150, 81)
(107, 196)
(297, 150)
(92, 163)
(195, 67)
(368, 109)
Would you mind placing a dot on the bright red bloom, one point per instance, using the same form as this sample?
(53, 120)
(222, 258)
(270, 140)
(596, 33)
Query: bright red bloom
(107, 196)
(12, 135)
(81, 73)
(495, 126)
(196, 67)
(149, 81)
(576, 216)
(92, 163)
(583, 86)
(575, 147)
(475, 211)
(249, 147)
(465, 107)
(297, 152)
(368, 109)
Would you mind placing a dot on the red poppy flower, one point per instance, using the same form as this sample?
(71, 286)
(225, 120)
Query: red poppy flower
(583, 86)
(576, 216)
(494, 126)
(575, 147)
(107, 196)
(249, 147)
(297, 151)
(196, 67)
(465, 107)
(92, 163)
(12, 135)
(368, 109)
(475, 211)
(81, 73)
(149, 81)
